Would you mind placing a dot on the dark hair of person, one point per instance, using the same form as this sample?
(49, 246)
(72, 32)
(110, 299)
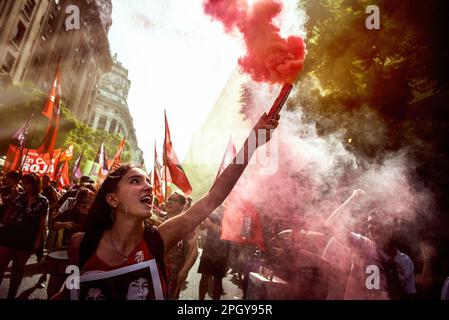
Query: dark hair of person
(14, 175)
(34, 180)
(180, 198)
(99, 218)
(81, 195)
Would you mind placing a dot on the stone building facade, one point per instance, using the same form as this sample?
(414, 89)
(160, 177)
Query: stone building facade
(110, 111)
(34, 37)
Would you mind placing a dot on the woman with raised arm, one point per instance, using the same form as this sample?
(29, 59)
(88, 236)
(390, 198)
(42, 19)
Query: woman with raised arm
(116, 234)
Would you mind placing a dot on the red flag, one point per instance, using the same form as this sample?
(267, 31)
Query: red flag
(241, 222)
(177, 174)
(156, 178)
(13, 159)
(63, 175)
(54, 96)
(67, 154)
(116, 161)
(52, 110)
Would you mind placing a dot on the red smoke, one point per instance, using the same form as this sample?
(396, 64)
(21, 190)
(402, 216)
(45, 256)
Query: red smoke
(269, 57)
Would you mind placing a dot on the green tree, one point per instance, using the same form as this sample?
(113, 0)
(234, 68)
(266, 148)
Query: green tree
(17, 103)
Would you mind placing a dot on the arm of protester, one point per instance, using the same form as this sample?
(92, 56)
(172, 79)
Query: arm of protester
(336, 221)
(178, 227)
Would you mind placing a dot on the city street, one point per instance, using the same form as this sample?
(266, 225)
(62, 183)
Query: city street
(30, 288)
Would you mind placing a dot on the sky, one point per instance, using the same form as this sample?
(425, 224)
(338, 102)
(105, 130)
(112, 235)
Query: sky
(178, 60)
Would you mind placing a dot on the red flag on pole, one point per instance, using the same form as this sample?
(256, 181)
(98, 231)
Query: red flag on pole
(52, 110)
(63, 175)
(177, 174)
(240, 219)
(116, 161)
(54, 96)
(157, 178)
(241, 222)
(67, 154)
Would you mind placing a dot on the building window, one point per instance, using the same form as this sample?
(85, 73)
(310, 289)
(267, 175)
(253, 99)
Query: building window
(113, 126)
(9, 63)
(101, 122)
(91, 120)
(29, 8)
(20, 34)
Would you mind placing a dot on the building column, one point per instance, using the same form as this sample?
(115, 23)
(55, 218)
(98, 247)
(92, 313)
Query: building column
(108, 123)
(96, 119)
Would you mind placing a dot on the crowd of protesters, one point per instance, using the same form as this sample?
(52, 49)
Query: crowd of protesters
(333, 262)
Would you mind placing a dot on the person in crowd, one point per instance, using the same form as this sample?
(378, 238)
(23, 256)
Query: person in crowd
(116, 234)
(214, 257)
(377, 255)
(11, 185)
(73, 220)
(68, 199)
(49, 192)
(23, 223)
(177, 256)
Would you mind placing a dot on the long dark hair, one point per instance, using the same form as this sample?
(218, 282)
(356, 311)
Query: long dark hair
(34, 180)
(100, 216)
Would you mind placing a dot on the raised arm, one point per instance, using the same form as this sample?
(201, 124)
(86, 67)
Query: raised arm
(335, 222)
(178, 227)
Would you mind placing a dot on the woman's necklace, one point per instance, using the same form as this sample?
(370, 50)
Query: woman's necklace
(125, 258)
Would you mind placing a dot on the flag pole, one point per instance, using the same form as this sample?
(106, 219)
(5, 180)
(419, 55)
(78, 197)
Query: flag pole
(22, 145)
(166, 182)
(30, 142)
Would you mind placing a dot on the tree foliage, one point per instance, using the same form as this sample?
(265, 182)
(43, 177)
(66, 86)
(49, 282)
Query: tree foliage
(17, 103)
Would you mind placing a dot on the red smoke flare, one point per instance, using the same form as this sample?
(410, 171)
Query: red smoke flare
(269, 57)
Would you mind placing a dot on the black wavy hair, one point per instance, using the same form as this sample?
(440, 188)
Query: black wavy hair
(99, 218)
(34, 180)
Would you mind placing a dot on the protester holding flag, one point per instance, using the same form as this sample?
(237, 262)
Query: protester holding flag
(116, 235)
(24, 220)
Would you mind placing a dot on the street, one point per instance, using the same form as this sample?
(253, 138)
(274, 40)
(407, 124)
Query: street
(30, 288)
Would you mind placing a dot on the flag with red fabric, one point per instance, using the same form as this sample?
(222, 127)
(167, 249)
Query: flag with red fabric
(13, 159)
(67, 154)
(18, 139)
(174, 167)
(240, 219)
(54, 96)
(157, 178)
(117, 158)
(52, 110)
(63, 179)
